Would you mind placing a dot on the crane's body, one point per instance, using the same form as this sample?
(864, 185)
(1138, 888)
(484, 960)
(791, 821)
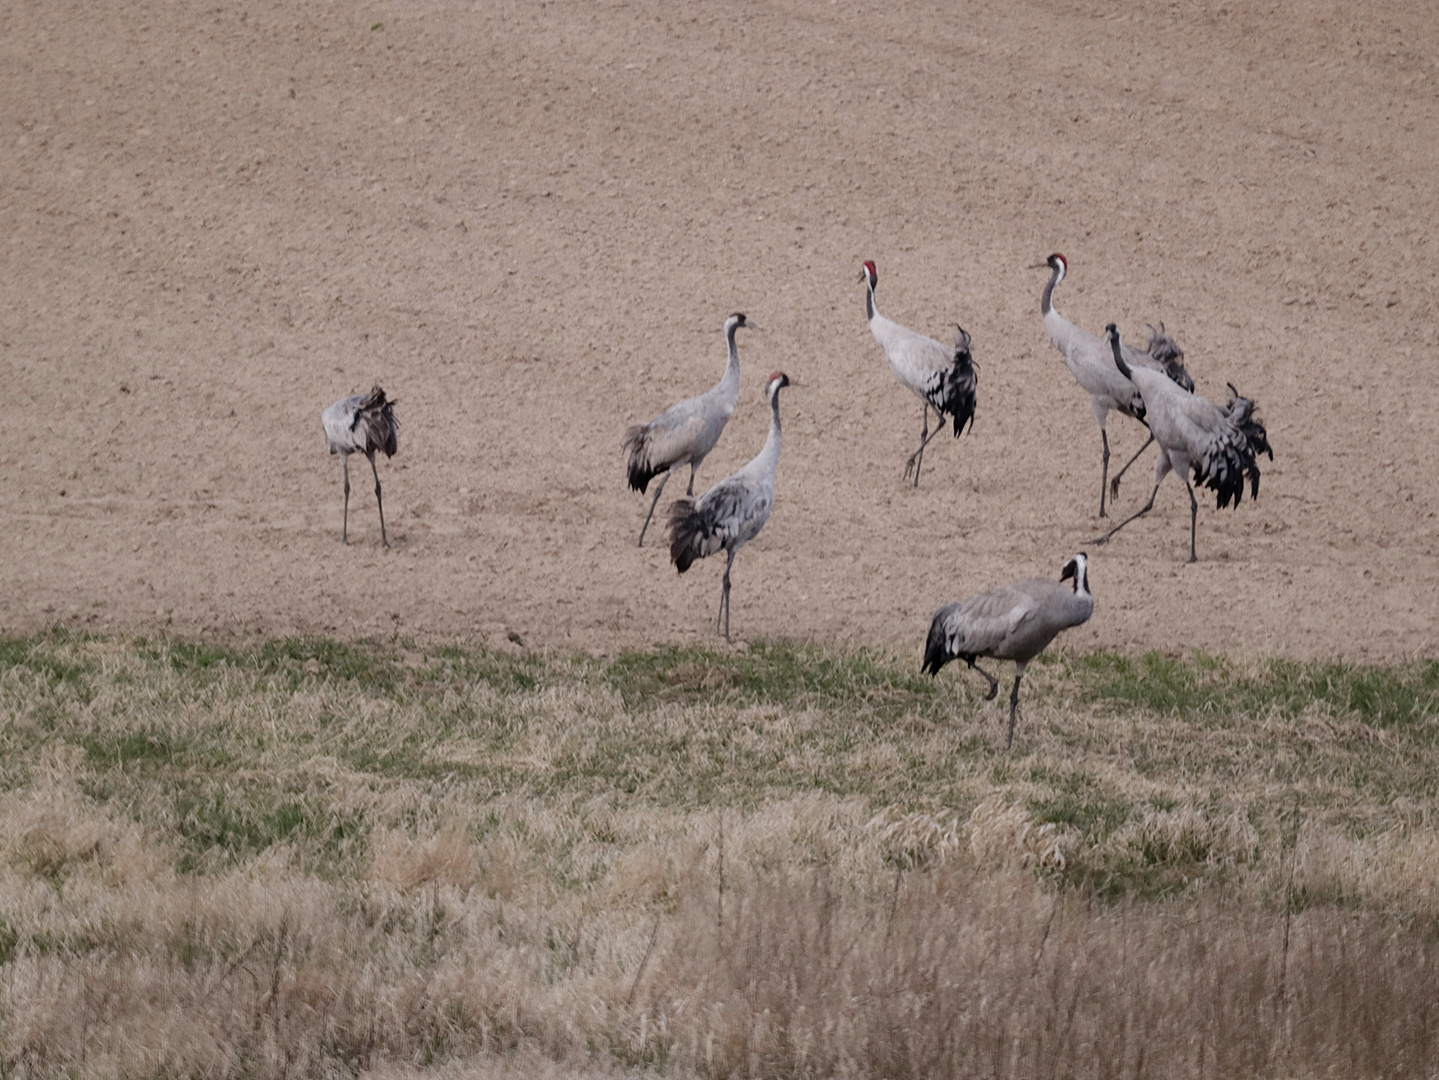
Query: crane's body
(1220, 445)
(1088, 360)
(1012, 622)
(943, 378)
(686, 432)
(730, 514)
(363, 424)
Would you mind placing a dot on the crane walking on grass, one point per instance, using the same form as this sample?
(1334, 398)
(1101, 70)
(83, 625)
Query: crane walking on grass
(1221, 444)
(731, 513)
(362, 424)
(1088, 360)
(943, 379)
(684, 433)
(1012, 622)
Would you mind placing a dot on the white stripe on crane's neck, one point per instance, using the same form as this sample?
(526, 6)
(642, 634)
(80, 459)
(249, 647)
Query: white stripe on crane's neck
(1058, 267)
(871, 281)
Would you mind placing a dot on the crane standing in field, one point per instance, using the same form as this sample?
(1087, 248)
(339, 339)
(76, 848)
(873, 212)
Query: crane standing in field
(684, 433)
(943, 379)
(1087, 358)
(362, 424)
(1012, 622)
(1221, 444)
(731, 513)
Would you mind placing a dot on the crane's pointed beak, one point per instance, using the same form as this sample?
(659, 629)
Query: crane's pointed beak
(1038, 266)
(862, 276)
(750, 324)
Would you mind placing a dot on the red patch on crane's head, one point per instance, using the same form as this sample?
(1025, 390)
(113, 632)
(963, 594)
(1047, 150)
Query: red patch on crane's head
(1062, 260)
(869, 268)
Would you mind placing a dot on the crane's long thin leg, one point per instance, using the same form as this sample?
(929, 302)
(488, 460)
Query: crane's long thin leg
(1138, 513)
(345, 529)
(993, 682)
(1104, 476)
(1014, 705)
(1114, 484)
(384, 539)
(724, 598)
(1193, 519)
(654, 501)
(691, 489)
(916, 459)
(920, 452)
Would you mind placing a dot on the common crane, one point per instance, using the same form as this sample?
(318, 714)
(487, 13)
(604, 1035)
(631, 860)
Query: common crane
(731, 513)
(362, 424)
(943, 379)
(1087, 357)
(1221, 444)
(1013, 622)
(684, 433)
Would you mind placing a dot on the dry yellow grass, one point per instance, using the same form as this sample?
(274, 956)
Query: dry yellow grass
(327, 861)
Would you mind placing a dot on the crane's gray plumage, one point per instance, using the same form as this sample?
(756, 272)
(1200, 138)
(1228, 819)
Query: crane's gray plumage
(1012, 622)
(362, 424)
(731, 513)
(684, 433)
(1221, 444)
(1087, 358)
(944, 379)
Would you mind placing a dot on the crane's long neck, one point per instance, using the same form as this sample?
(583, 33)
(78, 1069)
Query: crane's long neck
(1046, 299)
(769, 453)
(869, 308)
(729, 382)
(1124, 369)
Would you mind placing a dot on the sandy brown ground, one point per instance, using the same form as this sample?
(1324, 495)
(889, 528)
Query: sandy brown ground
(529, 220)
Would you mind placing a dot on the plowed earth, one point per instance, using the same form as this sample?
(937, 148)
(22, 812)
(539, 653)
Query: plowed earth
(528, 221)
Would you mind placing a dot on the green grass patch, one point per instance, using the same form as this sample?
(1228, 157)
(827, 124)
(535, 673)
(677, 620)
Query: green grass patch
(1153, 772)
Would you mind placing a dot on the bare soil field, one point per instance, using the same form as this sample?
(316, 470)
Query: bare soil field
(528, 221)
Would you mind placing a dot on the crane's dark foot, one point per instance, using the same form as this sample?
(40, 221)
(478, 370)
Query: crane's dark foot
(1114, 489)
(993, 690)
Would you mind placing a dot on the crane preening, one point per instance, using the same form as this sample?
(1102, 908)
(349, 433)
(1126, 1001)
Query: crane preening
(1220, 443)
(1013, 622)
(943, 379)
(686, 432)
(731, 513)
(362, 424)
(1087, 358)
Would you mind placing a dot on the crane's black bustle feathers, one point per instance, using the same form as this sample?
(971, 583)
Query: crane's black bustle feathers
(641, 469)
(1241, 413)
(953, 391)
(687, 533)
(1166, 352)
(1234, 459)
(377, 413)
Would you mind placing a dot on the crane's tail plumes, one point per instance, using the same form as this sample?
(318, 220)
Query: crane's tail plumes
(953, 391)
(377, 413)
(641, 469)
(1235, 459)
(687, 534)
(1241, 414)
(1165, 351)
